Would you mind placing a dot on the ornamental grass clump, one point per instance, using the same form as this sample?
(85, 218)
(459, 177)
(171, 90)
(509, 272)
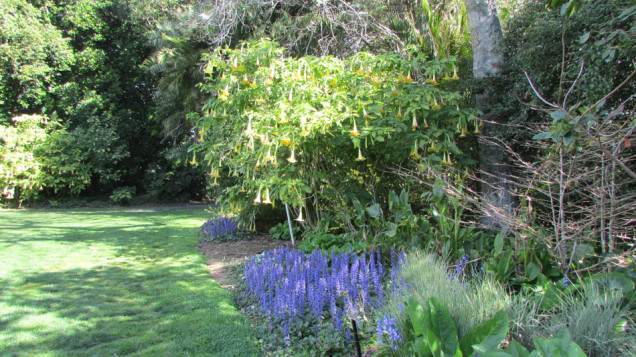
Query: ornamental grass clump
(220, 229)
(315, 296)
(470, 297)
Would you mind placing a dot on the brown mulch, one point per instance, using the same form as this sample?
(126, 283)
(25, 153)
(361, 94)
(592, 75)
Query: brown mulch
(221, 255)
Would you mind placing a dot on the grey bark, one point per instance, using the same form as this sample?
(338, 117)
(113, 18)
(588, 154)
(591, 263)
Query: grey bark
(486, 37)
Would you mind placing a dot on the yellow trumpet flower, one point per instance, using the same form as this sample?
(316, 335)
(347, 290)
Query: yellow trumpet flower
(415, 125)
(399, 114)
(435, 105)
(269, 156)
(249, 131)
(300, 216)
(267, 200)
(258, 200)
(432, 81)
(355, 131)
(415, 155)
(408, 78)
(286, 141)
(292, 158)
(360, 157)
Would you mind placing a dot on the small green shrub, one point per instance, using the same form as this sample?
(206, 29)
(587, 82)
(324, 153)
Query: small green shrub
(597, 314)
(281, 231)
(123, 195)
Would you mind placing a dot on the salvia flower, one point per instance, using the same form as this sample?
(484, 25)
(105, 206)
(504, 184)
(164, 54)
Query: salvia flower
(388, 332)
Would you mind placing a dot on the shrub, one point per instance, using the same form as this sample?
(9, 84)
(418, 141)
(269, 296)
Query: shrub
(281, 231)
(123, 195)
(599, 319)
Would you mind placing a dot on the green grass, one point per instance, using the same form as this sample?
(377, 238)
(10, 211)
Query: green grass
(112, 283)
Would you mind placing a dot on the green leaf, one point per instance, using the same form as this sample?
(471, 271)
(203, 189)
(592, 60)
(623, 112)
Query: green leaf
(532, 271)
(515, 349)
(488, 334)
(434, 343)
(499, 243)
(558, 115)
(443, 326)
(374, 211)
(420, 319)
(422, 348)
(391, 229)
(584, 38)
(543, 136)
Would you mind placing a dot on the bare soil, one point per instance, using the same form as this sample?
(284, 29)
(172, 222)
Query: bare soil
(221, 255)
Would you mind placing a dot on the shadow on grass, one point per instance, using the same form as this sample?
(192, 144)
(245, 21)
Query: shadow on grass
(111, 310)
(145, 293)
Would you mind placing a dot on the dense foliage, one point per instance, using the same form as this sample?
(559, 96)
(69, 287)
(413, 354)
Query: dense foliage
(317, 132)
(79, 64)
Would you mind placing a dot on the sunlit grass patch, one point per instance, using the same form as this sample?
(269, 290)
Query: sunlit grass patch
(112, 282)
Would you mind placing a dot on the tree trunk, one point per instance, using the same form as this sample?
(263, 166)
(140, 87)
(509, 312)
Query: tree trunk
(486, 36)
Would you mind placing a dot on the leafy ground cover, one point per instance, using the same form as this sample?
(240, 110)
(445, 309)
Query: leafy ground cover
(112, 282)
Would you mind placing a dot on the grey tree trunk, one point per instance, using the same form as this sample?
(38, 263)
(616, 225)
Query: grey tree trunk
(486, 36)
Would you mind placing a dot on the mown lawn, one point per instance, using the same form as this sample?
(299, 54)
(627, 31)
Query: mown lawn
(112, 283)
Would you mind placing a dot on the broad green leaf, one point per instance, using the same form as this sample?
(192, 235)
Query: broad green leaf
(421, 347)
(499, 242)
(558, 115)
(489, 333)
(532, 271)
(391, 229)
(374, 211)
(434, 343)
(420, 318)
(443, 326)
(515, 349)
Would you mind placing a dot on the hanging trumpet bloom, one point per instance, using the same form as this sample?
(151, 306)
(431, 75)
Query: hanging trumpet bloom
(399, 114)
(436, 105)
(360, 157)
(355, 131)
(194, 159)
(432, 81)
(292, 158)
(300, 215)
(455, 76)
(477, 125)
(249, 131)
(269, 156)
(408, 78)
(258, 200)
(415, 155)
(267, 200)
(414, 124)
